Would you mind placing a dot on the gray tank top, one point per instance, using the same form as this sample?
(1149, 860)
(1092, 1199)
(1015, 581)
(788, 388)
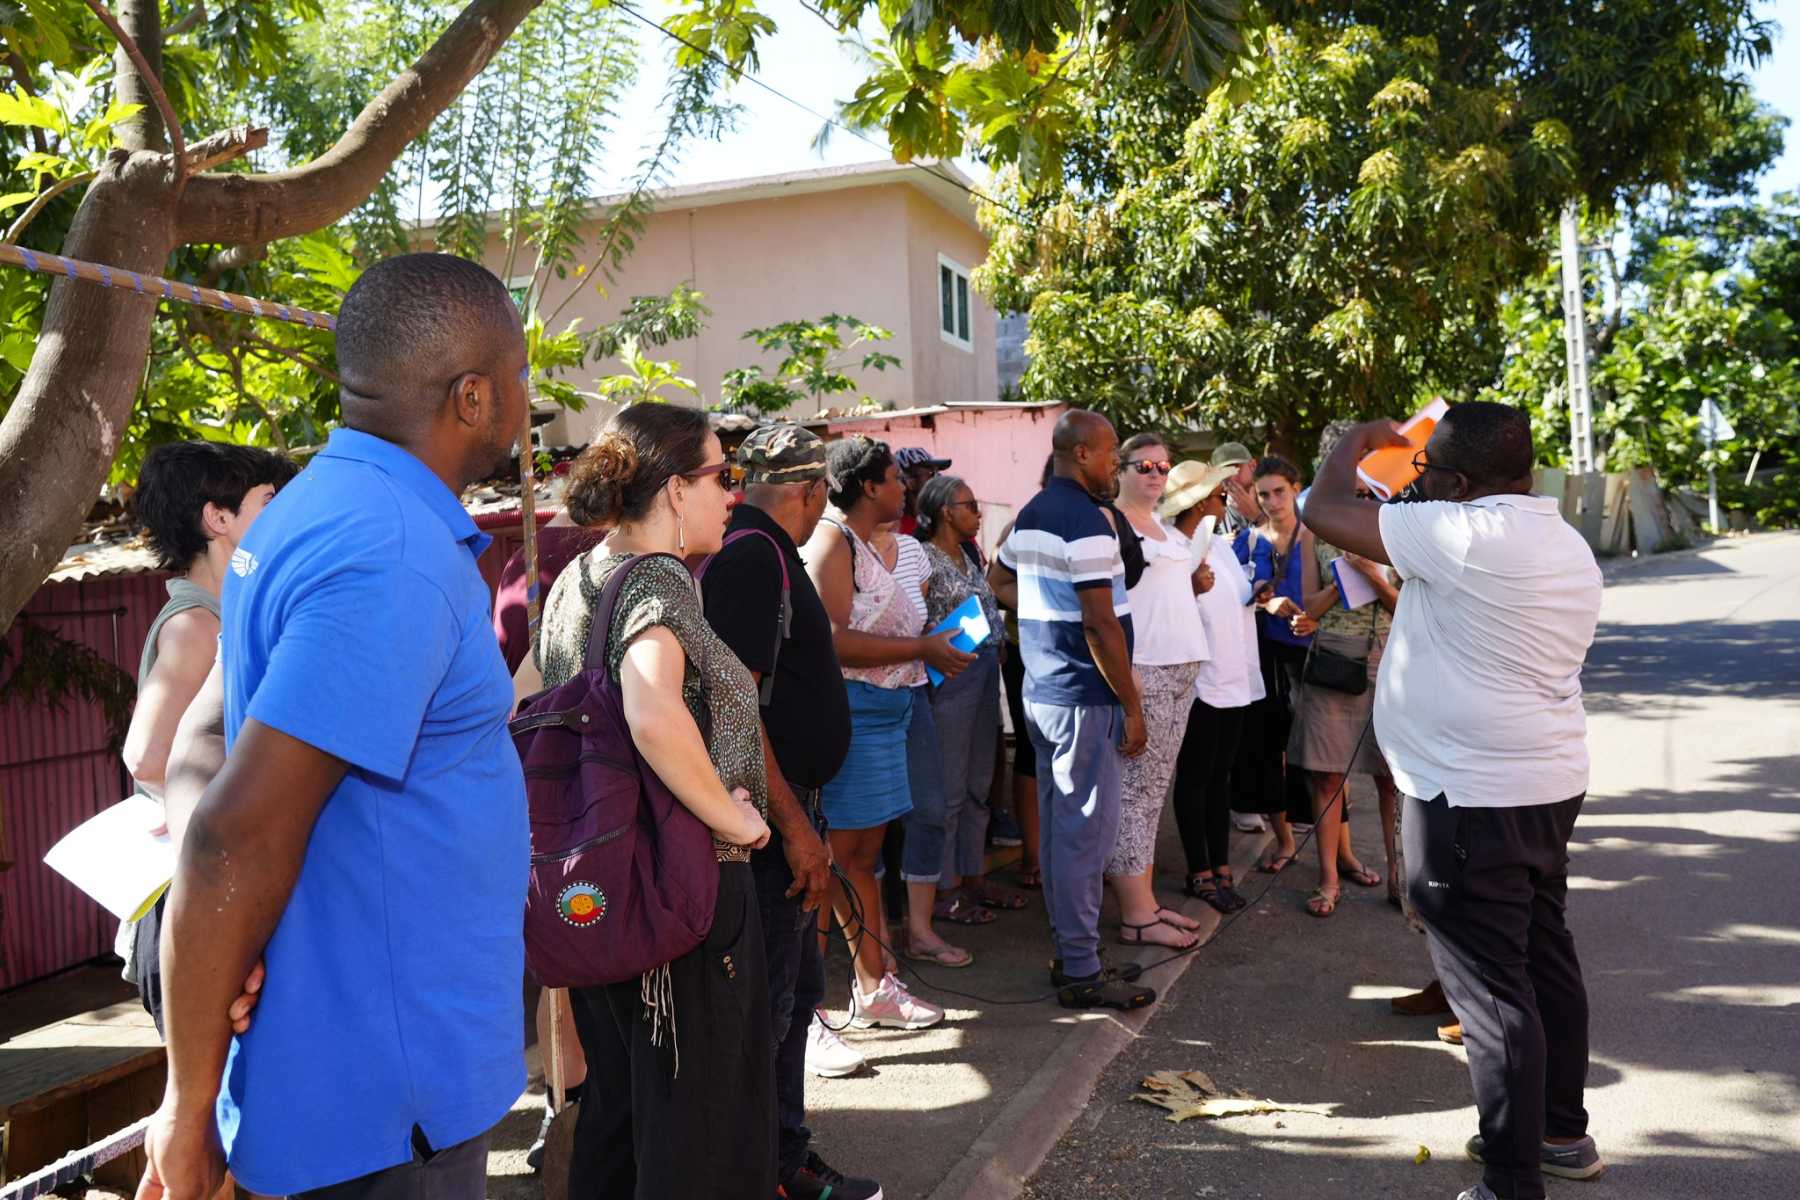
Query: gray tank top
(183, 595)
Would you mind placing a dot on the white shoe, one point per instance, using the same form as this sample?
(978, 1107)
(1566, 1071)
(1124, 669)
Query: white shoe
(893, 1007)
(1248, 823)
(827, 1055)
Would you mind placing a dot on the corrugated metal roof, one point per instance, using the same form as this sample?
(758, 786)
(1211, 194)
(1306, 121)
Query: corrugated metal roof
(91, 560)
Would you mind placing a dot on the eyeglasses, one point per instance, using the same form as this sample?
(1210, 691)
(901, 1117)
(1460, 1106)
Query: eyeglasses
(729, 473)
(1159, 467)
(971, 505)
(1422, 465)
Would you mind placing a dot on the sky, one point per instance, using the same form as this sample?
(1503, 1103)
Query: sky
(807, 62)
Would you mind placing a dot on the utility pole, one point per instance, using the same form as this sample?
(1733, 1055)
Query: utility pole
(1581, 412)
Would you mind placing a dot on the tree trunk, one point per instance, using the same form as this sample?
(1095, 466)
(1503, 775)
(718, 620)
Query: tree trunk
(64, 429)
(68, 420)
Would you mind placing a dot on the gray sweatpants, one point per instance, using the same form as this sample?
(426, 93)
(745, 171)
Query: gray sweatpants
(1490, 884)
(1078, 820)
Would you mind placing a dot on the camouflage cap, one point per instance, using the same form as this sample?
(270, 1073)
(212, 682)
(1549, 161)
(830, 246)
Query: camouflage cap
(783, 453)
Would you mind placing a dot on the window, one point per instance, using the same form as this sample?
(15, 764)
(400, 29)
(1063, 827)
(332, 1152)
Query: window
(520, 290)
(954, 323)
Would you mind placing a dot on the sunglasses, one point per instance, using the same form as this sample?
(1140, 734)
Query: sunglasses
(729, 473)
(1147, 467)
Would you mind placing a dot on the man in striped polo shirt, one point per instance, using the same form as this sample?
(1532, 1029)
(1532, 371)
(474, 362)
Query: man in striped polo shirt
(1060, 568)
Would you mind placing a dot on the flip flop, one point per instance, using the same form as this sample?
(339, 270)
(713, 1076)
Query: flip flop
(961, 912)
(1361, 878)
(1276, 864)
(1032, 881)
(1321, 903)
(948, 956)
(1163, 915)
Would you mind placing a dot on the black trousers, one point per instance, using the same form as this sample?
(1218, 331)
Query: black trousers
(1203, 785)
(146, 957)
(796, 987)
(1491, 885)
(705, 1131)
(457, 1172)
(1260, 780)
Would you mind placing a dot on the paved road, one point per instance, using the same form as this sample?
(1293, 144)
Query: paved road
(1684, 902)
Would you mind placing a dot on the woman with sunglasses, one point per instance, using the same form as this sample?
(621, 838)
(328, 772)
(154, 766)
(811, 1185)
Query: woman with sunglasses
(1168, 646)
(965, 709)
(658, 479)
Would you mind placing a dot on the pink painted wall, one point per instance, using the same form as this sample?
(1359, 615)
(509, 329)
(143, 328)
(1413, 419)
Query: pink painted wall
(866, 251)
(998, 451)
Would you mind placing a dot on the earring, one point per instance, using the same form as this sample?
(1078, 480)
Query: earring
(680, 533)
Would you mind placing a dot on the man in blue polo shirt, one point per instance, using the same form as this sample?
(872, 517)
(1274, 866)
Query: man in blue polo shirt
(1060, 569)
(367, 834)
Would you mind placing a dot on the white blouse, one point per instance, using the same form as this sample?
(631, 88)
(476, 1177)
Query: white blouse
(1165, 623)
(1232, 677)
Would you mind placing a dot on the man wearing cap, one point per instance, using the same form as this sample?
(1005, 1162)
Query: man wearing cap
(806, 734)
(1241, 508)
(917, 468)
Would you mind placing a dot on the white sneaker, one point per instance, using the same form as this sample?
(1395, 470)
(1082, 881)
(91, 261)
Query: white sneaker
(893, 1007)
(1247, 822)
(827, 1055)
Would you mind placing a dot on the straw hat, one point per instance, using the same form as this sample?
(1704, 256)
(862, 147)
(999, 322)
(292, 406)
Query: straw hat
(1190, 483)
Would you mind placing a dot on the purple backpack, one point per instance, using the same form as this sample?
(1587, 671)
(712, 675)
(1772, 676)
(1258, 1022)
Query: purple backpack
(623, 877)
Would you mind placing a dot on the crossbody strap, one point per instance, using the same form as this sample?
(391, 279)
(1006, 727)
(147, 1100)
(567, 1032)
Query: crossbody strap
(784, 618)
(606, 607)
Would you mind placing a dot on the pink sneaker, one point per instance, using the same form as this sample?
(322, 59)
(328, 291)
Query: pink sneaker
(893, 1007)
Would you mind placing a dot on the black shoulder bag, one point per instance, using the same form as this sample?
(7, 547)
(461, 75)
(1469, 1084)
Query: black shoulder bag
(1340, 672)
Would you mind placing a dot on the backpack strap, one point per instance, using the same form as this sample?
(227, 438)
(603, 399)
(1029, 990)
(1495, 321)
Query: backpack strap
(784, 618)
(606, 607)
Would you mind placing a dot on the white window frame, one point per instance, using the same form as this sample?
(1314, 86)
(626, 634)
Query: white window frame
(961, 272)
(517, 282)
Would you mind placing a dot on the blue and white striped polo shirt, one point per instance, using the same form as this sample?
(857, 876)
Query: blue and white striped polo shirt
(1062, 544)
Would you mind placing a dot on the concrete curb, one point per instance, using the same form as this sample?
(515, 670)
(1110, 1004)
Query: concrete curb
(1016, 1143)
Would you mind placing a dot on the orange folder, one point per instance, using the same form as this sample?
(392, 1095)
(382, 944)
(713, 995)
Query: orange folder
(1389, 471)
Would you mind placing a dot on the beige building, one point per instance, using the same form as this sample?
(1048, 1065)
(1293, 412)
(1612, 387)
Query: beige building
(892, 245)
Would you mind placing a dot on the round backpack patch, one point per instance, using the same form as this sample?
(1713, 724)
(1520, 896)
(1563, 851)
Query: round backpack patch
(581, 904)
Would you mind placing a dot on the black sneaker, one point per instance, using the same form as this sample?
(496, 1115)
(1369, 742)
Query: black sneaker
(534, 1157)
(816, 1180)
(1575, 1160)
(1102, 989)
(1129, 973)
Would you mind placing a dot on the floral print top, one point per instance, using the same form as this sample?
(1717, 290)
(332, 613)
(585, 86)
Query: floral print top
(716, 687)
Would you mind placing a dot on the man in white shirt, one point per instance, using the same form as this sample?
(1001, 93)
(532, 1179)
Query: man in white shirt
(1478, 711)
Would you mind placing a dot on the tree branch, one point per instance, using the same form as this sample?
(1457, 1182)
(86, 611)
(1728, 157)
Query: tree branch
(221, 147)
(233, 258)
(149, 16)
(195, 16)
(293, 356)
(263, 208)
(44, 198)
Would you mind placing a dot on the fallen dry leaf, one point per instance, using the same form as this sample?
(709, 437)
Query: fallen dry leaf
(1190, 1094)
(1424, 1154)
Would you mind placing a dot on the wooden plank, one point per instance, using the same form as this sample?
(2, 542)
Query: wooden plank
(41, 1137)
(112, 1108)
(42, 1079)
(1650, 524)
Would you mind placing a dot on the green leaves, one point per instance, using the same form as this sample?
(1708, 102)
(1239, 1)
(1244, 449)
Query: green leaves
(816, 360)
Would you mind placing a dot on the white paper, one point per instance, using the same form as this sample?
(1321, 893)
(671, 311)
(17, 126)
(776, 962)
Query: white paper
(1203, 538)
(976, 628)
(1355, 588)
(116, 859)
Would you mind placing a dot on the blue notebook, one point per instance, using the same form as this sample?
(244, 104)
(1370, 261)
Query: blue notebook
(973, 629)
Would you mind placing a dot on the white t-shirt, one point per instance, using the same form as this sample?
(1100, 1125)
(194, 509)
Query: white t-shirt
(1165, 624)
(1232, 677)
(1479, 693)
(912, 567)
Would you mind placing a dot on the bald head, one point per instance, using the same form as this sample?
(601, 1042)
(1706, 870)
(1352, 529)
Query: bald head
(409, 328)
(1078, 427)
(1084, 447)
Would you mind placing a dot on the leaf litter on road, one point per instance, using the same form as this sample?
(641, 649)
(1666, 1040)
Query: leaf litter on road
(1189, 1094)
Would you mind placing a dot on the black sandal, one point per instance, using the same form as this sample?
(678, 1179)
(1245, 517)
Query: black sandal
(1209, 890)
(1138, 938)
(1233, 897)
(1103, 992)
